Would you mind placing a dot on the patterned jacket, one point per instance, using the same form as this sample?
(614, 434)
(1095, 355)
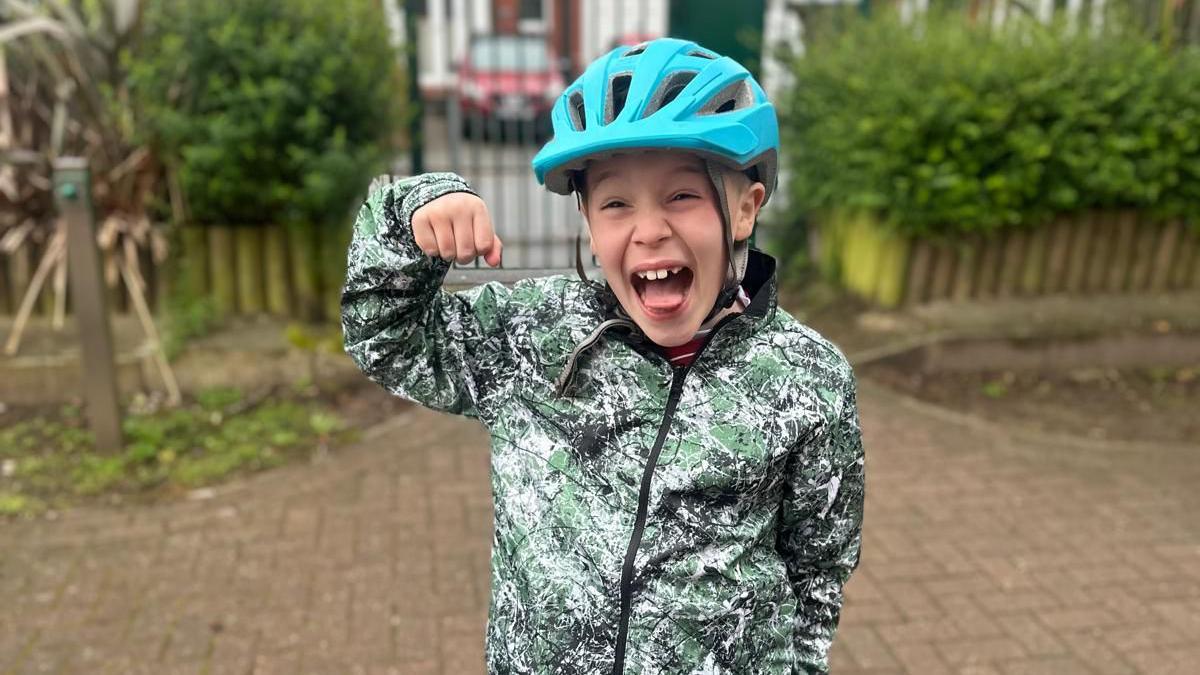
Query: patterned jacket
(648, 518)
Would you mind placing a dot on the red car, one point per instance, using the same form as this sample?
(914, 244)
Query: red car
(507, 78)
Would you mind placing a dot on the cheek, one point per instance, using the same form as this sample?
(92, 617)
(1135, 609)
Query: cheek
(607, 249)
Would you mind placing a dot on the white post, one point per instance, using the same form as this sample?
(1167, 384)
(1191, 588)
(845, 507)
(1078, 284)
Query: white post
(1045, 10)
(1098, 15)
(435, 34)
(999, 12)
(1073, 9)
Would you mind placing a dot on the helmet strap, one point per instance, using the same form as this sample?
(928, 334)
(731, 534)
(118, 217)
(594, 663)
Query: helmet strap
(736, 252)
(579, 255)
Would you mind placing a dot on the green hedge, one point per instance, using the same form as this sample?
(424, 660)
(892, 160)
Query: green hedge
(955, 129)
(273, 110)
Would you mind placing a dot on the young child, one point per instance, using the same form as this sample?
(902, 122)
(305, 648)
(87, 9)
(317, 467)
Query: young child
(676, 462)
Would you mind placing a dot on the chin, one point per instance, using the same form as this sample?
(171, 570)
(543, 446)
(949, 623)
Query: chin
(668, 336)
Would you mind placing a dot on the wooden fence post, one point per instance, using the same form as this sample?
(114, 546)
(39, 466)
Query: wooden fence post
(72, 191)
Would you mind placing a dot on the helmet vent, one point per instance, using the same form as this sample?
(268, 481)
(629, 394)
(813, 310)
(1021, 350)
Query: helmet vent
(668, 90)
(703, 55)
(637, 49)
(736, 96)
(576, 110)
(618, 91)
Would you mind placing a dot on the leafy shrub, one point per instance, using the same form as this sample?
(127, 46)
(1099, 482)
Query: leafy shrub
(951, 128)
(270, 110)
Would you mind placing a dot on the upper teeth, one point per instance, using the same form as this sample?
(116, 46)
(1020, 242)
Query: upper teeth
(658, 274)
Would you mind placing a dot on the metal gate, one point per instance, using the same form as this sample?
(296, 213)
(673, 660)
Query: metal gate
(487, 72)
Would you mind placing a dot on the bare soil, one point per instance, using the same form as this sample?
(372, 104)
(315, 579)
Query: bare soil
(1144, 405)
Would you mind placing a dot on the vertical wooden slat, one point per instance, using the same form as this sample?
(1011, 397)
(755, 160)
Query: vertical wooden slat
(20, 272)
(334, 242)
(943, 272)
(892, 271)
(1118, 272)
(45, 304)
(1143, 254)
(829, 242)
(1195, 280)
(303, 247)
(966, 268)
(115, 287)
(990, 253)
(1103, 224)
(1033, 273)
(222, 269)
(1189, 246)
(1081, 241)
(248, 240)
(275, 251)
(1057, 256)
(917, 285)
(7, 304)
(878, 243)
(1168, 245)
(862, 262)
(1015, 243)
(194, 264)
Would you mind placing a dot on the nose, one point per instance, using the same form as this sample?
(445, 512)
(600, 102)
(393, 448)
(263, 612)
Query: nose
(651, 228)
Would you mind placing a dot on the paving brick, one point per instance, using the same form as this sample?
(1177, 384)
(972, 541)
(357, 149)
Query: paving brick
(1094, 651)
(1033, 635)
(866, 649)
(1167, 661)
(1094, 616)
(1046, 666)
(920, 658)
(981, 650)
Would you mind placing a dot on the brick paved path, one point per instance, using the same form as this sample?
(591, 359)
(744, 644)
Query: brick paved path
(984, 553)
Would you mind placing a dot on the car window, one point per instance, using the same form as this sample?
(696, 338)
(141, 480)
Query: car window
(509, 54)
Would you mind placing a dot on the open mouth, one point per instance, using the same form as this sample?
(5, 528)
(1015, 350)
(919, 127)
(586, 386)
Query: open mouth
(663, 293)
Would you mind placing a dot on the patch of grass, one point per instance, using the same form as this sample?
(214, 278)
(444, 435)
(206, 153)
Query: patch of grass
(995, 389)
(50, 461)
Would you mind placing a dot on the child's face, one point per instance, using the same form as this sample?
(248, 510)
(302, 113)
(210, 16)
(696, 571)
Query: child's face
(658, 211)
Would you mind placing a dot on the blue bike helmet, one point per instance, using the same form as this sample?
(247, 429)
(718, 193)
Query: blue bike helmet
(667, 94)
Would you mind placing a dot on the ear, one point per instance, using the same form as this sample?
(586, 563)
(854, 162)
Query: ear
(745, 210)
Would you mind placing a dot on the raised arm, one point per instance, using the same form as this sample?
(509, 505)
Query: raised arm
(446, 351)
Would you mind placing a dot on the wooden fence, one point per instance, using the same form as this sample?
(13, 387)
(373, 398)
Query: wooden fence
(289, 272)
(1091, 253)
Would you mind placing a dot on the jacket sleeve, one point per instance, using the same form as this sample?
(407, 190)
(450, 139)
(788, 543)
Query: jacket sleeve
(442, 350)
(821, 529)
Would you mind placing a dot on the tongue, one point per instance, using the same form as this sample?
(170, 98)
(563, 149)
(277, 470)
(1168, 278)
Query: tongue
(665, 294)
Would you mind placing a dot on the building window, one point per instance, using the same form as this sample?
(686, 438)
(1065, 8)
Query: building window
(531, 9)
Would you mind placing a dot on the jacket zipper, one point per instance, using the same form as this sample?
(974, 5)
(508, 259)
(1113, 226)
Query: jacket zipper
(639, 522)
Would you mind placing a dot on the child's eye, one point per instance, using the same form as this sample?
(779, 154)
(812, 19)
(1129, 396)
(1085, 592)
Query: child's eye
(614, 203)
(683, 195)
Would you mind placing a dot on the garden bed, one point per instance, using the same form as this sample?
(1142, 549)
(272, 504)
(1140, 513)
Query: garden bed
(47, 462)
(1114, 401)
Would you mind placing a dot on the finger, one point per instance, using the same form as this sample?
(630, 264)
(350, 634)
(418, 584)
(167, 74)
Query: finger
(423, 234)
(493, 257)
(484, 233)
(445, 238)
(464, 239)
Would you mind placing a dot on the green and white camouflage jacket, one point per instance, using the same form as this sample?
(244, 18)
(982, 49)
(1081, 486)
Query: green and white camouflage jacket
(648, 519)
